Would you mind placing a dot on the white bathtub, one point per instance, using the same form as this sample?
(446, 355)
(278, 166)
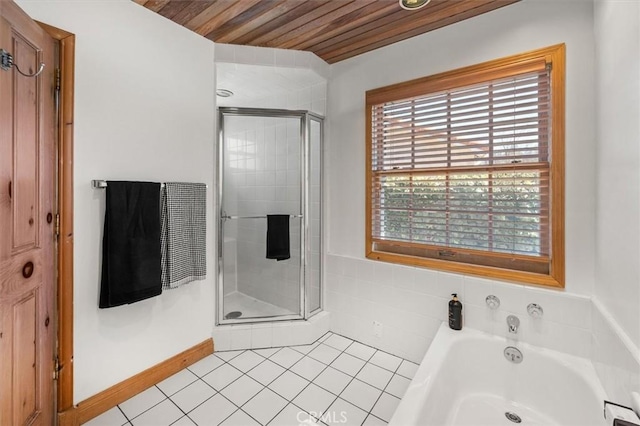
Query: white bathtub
(464, 379)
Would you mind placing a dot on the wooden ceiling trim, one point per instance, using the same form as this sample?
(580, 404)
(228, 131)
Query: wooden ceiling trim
(316, 26)
(343, 24)
(316, 13)
(247, 26)
(488, 7)
(231, 10)
(174, 7)
(191, 11)
(386, 30)
(302, 9)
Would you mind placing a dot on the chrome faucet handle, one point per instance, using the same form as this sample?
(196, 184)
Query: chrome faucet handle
(535, 310)
(492, 302)
(513, 322)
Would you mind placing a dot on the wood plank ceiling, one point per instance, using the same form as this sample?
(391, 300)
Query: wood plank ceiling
(332, 29)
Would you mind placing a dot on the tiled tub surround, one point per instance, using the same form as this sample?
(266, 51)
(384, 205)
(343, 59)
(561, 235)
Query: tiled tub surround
(333, 381)
(410, 304)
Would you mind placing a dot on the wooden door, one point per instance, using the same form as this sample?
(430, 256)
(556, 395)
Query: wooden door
(27, 223)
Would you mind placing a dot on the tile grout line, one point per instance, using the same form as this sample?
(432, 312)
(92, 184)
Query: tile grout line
(174, 403)
(245, 374)
(148, 409)
(317, 342)
(353, 377)
(129, 420)
(125, 416)
(321, 340)
(383, 392)
(327, 366)
(369, 412)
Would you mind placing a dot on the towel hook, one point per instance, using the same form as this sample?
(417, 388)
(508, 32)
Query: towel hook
(6, 62)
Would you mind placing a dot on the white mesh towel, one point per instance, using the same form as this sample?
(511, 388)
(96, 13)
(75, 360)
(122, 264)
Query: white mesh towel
(183, 218)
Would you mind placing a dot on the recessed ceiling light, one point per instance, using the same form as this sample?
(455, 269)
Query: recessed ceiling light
(413, 4)
(224, 93)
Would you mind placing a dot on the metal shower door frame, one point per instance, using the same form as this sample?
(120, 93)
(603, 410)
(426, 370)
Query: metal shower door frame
(305, 117)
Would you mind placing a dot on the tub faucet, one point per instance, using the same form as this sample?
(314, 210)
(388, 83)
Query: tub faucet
(513, 323)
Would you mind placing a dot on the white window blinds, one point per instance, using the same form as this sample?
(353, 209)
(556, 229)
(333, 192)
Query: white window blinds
(464, 168)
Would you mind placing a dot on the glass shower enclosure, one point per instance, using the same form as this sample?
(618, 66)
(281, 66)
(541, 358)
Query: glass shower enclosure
(269, 162)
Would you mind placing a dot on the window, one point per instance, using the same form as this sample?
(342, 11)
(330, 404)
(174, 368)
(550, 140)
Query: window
(465, 170)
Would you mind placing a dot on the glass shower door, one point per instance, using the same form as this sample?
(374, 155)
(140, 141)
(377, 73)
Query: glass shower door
(261, 174)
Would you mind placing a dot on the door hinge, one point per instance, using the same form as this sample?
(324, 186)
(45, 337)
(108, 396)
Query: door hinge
(57, 224)
(58, 79)
(56, 369)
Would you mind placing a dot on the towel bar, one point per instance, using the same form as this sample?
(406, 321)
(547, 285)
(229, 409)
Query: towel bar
(101, 184)
(257, 217)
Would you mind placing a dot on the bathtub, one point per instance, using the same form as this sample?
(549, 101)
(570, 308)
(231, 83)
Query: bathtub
(465, 379)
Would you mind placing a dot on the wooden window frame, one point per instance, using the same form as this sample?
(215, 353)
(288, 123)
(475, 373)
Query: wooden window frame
(413, 254)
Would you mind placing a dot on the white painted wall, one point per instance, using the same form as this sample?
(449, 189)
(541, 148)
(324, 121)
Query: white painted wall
(145, 110)
(617, 287)
(617, 35)
(409, 302)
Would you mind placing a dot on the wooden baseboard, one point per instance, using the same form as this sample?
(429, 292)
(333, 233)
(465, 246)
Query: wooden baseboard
(116, 394)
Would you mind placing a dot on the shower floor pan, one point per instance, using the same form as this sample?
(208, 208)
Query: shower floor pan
(250, 307)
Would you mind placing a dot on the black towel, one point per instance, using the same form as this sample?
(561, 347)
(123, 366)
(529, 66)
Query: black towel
(131, 243)
(278, 237)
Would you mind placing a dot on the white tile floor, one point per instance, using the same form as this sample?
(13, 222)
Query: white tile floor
(335, 381)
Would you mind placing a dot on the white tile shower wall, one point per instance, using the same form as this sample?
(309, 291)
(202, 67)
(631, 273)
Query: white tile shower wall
(230, 253)
(262, 176)
(409, 304)
(271, 335)
(265, 179)
(615, 356)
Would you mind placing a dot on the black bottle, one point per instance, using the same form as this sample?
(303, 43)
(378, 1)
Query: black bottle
(455, 313)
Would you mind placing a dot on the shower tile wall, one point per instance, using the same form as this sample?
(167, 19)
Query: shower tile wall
(263, 177)
(264, 157)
